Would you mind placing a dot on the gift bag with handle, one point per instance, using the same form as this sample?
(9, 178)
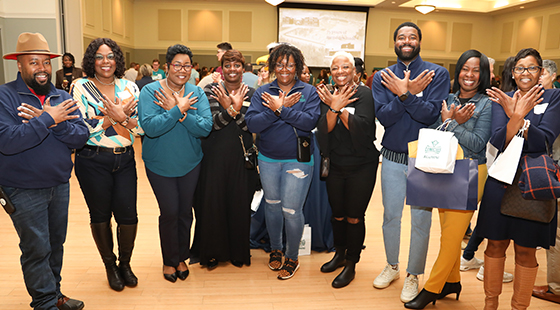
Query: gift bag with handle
(437, 150)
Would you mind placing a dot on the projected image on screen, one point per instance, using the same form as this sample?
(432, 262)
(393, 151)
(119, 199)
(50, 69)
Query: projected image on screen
(321, 33)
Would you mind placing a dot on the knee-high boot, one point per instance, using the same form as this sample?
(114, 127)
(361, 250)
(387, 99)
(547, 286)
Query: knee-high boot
(103, 236)
(126, 234)
(493, 277)
(523, 282)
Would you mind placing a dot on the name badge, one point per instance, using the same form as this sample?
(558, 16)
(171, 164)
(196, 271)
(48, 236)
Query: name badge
(246, 103)
(350, 110)
(420, 94)
(540, 108)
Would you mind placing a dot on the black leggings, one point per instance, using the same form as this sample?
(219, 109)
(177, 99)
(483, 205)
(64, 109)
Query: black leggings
(350, 189)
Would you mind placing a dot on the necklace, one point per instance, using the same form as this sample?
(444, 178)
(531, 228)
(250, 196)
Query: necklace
(173, 91)
(106, 84)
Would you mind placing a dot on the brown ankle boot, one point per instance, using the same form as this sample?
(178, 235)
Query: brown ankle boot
(523, 282)
(493, 277)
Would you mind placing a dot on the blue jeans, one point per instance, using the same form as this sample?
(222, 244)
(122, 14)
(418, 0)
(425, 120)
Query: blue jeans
(393, 189)
(285, 186)
(41, 221)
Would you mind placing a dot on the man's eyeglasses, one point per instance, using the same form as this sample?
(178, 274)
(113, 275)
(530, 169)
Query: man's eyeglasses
(531, 69)
(178, 67)
(290, 66)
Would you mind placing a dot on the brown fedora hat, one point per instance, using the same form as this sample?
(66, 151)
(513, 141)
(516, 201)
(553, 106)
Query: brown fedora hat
(31, 43)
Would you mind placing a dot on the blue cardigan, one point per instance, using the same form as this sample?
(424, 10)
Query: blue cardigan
(403, 120)
(277, 137)
(172, 148)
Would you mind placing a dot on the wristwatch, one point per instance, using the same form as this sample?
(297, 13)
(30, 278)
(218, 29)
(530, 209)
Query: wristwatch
(335, 111)
(125, 122)
(404, 96)
(278, 111)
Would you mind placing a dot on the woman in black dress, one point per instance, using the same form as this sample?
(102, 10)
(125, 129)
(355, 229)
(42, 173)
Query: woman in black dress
(225, 187)
(537, 109)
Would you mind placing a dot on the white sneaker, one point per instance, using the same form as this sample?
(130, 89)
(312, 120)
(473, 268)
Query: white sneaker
(410, 288)
(386, 276)
(508, 277)
(470, 264)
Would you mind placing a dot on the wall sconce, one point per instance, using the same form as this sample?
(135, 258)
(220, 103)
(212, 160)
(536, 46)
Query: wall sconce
(423, 8)
(274, 2)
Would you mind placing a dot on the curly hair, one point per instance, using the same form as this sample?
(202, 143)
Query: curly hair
(285, 50)
(173, 50)
(88, 63)
(233, 55)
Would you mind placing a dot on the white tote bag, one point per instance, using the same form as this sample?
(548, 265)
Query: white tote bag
(505, 165)
(437, 151)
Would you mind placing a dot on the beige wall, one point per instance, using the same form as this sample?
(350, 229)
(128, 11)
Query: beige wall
(146, 28)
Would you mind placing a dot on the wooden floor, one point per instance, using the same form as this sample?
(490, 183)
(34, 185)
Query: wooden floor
(229, 287)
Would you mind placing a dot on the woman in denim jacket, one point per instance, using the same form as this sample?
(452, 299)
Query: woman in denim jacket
(468, 114)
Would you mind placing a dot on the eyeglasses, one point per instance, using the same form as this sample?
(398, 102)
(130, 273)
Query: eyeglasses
(291, 66)
(100, 57)
(531, 69)
(178, 67)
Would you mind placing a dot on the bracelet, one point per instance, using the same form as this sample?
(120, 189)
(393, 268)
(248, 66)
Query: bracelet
(335, 111)
(125, 122)
(233, 111)
(111, 120)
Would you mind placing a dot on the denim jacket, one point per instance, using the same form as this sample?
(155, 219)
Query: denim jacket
(473, 135)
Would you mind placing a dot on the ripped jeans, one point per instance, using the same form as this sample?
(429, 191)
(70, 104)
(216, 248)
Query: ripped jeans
(285, 186)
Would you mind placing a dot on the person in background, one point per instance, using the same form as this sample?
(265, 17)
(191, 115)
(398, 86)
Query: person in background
(263, 77)
(203, 72)
(249, 78)
(157, 73)
(285, 180)
(175, 115)
(346, 132)
(305, 75)
(551, 291)
(132, 73)
(195, 76)
(468, 114)
(511, 112)
(68, 73)
(408, 97)
(145, 73)
(322, 78)
(370, 78)
(39, 127)
(222, 48)
(105, 166)
(556, 83)
(507, 76)
(359, 72)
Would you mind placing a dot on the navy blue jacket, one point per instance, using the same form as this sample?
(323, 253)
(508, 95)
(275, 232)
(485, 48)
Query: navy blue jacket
(403, 120)
(32, 155)
(277, 137)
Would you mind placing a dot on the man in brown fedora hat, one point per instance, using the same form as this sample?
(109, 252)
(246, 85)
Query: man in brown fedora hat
(39, 126)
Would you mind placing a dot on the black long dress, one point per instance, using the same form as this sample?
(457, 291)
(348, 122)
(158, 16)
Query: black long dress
(225, 189)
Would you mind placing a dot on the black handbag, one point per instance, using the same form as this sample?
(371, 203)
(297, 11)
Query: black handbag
(303, 148)
(513, 204)
(250, 155)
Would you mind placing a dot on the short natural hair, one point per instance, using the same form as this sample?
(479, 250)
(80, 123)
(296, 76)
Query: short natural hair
(346, 55)
(146, 70)
(224, 46)
(408, 24)
(155, 60)
(233, 55)
(88, 62)
(286, 50)
(550, 66)
(173, 50)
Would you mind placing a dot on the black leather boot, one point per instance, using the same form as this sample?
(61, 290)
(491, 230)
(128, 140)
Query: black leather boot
(338, 260)
(126, 234)
(421, 300)
(103, 237)
(450, 288)
(346, 276)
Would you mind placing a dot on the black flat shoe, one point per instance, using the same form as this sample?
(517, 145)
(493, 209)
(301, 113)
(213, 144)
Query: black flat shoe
(421, 300)
(450, 288)
(212, 264)
(346, 276)
(182, 274)
(237, 263)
